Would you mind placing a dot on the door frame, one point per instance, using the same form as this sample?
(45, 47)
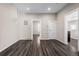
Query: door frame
(32, 27)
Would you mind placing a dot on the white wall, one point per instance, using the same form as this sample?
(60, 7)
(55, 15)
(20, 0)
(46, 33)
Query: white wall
(26, 30)
(60, 20)
(52, 29)
(71, 19)
(12, 26)
(74, 32)
(8, 26)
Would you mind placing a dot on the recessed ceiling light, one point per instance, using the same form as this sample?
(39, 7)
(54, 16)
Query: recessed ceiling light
(28, 8)
(49, 9)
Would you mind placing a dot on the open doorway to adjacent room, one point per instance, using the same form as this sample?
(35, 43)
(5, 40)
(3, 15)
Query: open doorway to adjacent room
(71, 29)
(36, 31)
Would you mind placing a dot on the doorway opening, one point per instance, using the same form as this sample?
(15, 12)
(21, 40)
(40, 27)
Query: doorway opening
(71, 30)
(36, 31)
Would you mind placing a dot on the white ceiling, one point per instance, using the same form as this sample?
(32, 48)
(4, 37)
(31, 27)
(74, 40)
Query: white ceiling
(40, 7)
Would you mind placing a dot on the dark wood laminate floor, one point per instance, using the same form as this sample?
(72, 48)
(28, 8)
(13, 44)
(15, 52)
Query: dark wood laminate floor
(30, 48)
(74, 45)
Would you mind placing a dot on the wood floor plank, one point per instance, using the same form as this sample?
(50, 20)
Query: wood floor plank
(31, 48)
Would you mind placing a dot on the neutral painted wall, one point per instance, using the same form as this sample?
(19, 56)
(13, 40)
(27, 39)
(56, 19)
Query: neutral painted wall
(8, 26)
(60, 20)
(12, 26)
(45, 19)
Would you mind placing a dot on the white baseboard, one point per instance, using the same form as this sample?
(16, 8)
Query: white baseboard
(26, 39)
(8, 46)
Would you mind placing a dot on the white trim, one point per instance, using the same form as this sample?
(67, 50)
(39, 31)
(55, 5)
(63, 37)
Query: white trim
(47, 39)
(78, 30)
(32, 29)
(24, 38)
(44, 39)
(8, 46)
(65, 31)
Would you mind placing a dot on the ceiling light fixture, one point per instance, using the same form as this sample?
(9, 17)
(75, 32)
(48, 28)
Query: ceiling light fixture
(28, 8)
(49, 9)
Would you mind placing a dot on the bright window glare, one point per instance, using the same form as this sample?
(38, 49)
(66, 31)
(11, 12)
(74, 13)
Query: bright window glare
(73, 27)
